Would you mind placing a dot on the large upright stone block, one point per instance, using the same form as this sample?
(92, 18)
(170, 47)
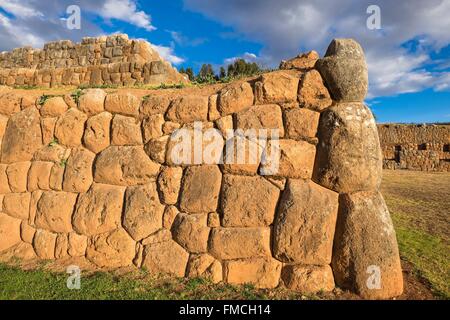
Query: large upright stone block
(78, 173)
(365, 254)
(143, 212)
(348, 156)
(305, 223)
(70, 127)
(22, 137)
(344, 70)
(9, 231)
(97, 133)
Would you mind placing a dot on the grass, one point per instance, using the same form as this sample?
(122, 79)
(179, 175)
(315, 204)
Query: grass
(429, 256)
(41, 284)
(419, 203)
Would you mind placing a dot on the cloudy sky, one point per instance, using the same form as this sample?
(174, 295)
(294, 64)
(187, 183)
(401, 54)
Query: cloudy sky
(408, 57)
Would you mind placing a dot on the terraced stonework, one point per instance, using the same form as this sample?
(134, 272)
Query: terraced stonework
(95, 178)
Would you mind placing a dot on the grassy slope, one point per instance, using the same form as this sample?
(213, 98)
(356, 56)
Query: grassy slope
(419, 203)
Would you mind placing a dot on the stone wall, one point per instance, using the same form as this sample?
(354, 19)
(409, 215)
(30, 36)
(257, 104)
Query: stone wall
(415, 147)
(108, 60)
(96, 178)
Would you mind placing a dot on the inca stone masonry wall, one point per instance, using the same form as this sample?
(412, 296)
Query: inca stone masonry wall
(415, 147)
(94, 179)
(105, 60)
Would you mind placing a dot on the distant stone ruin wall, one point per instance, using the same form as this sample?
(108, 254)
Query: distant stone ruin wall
(415, 147)
(108, 60)
(95, 178)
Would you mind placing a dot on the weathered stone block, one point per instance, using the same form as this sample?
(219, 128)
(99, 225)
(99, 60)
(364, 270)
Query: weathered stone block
(261, 272)
(236, 243)
(97, 132)
(77, 245)
(152, 127)
(201, 189)
(308, 279)
(288, 158)
(44, 243)
(242, 155)
(9, 231)
(143, 212)
(122, 103)
(99, 210)
(312, 93)
(248, 201)
(78, 171)
(113, 250)
(365, 253)
(277, 87)
(305, 223)
(27, 232)
(205, 266)
(169, 183)
(234, 98)
(4, 184)
(22, 136)
(9, 103)
(54, 107)
(166, 257)
(349, 156)
(70, 127)
(54, 211)
(344, 70)
(301, 123)
(92, 101)
(154, 104)
(39, 175)
(17, 205)
(170, 212)
(125, 131)
(191, 232)
(156, 149)
(266, 116)
(124, 165)
(187, 109)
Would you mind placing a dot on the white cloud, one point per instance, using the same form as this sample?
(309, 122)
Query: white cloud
(287, 27)
(167, 53)
(247, 56)
(19, 9)
(182, 40)
(17, 35)
(126, 10)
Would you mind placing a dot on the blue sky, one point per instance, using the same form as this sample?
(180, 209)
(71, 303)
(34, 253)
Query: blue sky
(408, 58)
